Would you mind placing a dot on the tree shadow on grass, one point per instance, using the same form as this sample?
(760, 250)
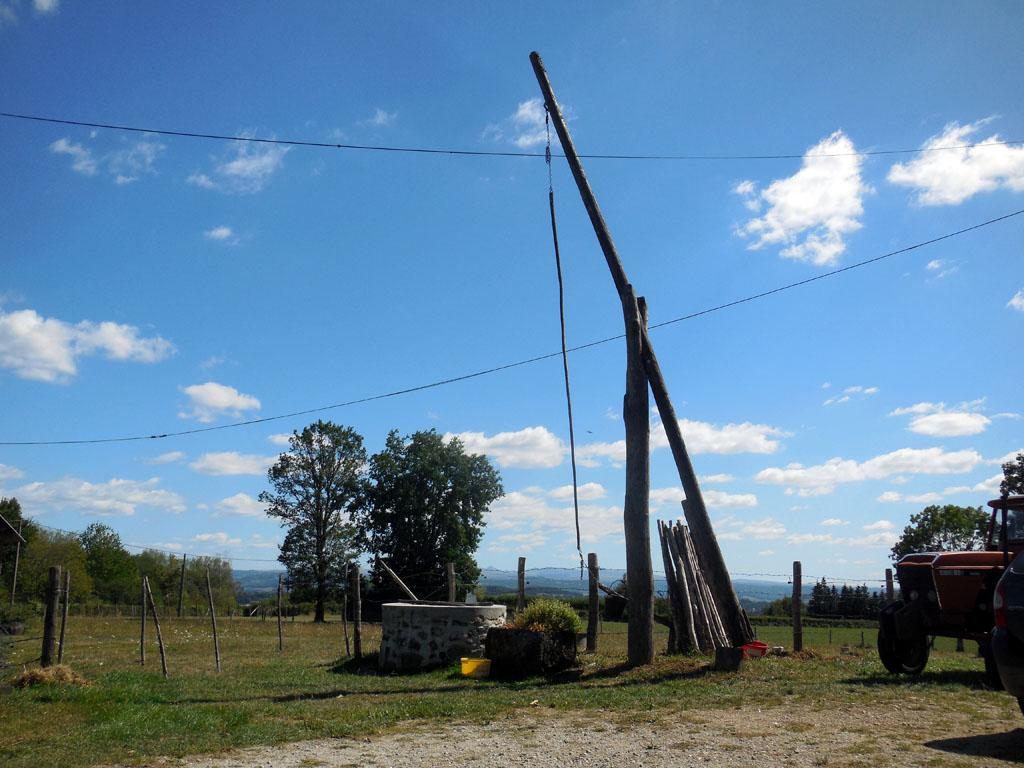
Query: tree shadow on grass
(1007, 746)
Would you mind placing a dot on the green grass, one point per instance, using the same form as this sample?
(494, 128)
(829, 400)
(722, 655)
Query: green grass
(129, 714)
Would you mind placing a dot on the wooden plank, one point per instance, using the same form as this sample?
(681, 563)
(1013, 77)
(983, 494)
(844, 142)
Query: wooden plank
(688, 636)
(398, 581)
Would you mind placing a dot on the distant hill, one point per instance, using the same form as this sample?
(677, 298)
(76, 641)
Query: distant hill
(255, 585)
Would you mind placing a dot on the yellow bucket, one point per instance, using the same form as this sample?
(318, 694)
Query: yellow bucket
(475, 667)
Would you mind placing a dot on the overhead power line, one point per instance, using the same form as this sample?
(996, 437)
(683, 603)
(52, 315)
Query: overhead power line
(481, 153)
(518, 363)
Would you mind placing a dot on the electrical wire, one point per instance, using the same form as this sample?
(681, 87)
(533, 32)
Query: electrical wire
(482, 153)
(518, 363)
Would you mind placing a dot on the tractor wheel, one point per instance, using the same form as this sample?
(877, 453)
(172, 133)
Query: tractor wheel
(902, 657)
(991, 670)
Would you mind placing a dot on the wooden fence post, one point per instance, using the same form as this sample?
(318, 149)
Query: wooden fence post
(213, 620)
(181, 585)
(798, 628)
(66, 599)
(594, 606)
(890, 592)
(521, 585)
(357, 614)
(451, 582)
(142, 626)
(280, 631)
(156, 623)
(17, 558)
(50, 616)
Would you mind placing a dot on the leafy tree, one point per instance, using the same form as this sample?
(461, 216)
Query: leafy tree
(946, 528)
(424, 508)
(47, 549)
(1013, 477)
(110, 566)
(315, 486)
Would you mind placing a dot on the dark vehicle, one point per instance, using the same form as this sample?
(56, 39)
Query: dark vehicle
(950, 594)
(1008, 635)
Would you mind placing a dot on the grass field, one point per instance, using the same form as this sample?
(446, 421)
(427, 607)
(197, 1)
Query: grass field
(130, 715)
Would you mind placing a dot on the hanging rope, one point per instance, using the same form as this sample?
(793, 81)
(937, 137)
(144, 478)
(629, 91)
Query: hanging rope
(561, 319)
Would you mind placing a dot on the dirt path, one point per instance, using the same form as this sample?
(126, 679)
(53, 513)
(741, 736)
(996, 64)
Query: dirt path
(918, 733)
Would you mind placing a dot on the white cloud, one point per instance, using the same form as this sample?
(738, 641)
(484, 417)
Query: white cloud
(46, 6)
(82, 159)
(523, 513)
(811, 211)
(7, 472)
(210, 400)
(529, 448)
(821, 479)
(585, 492)
(382, 118)
(834, 521)
(282, 438)
(114, 497)
(246, 169)
(220, 234)
(988, 486)
(858, 390)
(232, 463)
(1017, 302)
(879, 539)
(170, 457)
(47, 349)
(732, 528)
(719, 478)
(590, 454)
(219, 538)
(879, 525)
(525, 127)
(518, 542)
(936, 420)
(948, 177)
(712, 498)
(242, 504)
(941, 268)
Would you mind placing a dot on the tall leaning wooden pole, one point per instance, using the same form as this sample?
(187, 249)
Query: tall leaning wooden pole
(635, 414)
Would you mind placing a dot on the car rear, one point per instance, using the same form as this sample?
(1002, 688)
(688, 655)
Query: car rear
(1008, 634)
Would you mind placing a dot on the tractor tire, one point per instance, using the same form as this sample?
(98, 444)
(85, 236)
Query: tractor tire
(902, 657)
(991, 670)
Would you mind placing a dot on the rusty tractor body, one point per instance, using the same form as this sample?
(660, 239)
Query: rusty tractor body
(949, 594)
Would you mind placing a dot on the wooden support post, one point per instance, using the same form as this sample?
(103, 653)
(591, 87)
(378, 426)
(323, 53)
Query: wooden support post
(50, 616)
(156, 623)
(398, 581)
(451, 582)
(704, 638)
(17, 558)
(686, 638)
(712, 563)
(594, 605)
(213, 621)
(280, 631)
(181, 585)
(890, 592)
(344, 622)
(640, 640)
(357, 614)
(142, 626)
(798, 627)
(65, 601)
(521, 585)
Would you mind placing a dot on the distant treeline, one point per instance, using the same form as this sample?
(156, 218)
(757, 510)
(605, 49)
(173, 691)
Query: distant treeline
(827, 602)
(102, 570)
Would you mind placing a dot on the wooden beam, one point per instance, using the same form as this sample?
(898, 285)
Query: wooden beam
(398, 581)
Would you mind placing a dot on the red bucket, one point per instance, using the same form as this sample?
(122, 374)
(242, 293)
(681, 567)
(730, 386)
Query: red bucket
(755, 650)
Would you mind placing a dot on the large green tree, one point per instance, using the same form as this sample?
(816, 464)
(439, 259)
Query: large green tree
(110, 566)
(946, 528)
(425, 507)
(315, 486)
(1013, 477)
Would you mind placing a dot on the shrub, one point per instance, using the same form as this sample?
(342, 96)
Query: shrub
(545, 615)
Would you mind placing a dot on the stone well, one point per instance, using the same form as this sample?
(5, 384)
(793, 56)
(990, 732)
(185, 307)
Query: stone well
(421, 635)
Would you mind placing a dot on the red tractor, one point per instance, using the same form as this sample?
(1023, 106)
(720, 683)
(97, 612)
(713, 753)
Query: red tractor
(949, 594)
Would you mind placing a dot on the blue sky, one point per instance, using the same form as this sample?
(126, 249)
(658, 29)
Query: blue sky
(153, 284)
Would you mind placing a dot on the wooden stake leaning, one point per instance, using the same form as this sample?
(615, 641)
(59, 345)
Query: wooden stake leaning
(280, 630)
(701, 621)
(398, 581)
(213, 621)
(142, 626)
(156, 623)
(64, 616)
(357, 615)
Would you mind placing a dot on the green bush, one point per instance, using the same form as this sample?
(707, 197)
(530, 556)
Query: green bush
(546, 615)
